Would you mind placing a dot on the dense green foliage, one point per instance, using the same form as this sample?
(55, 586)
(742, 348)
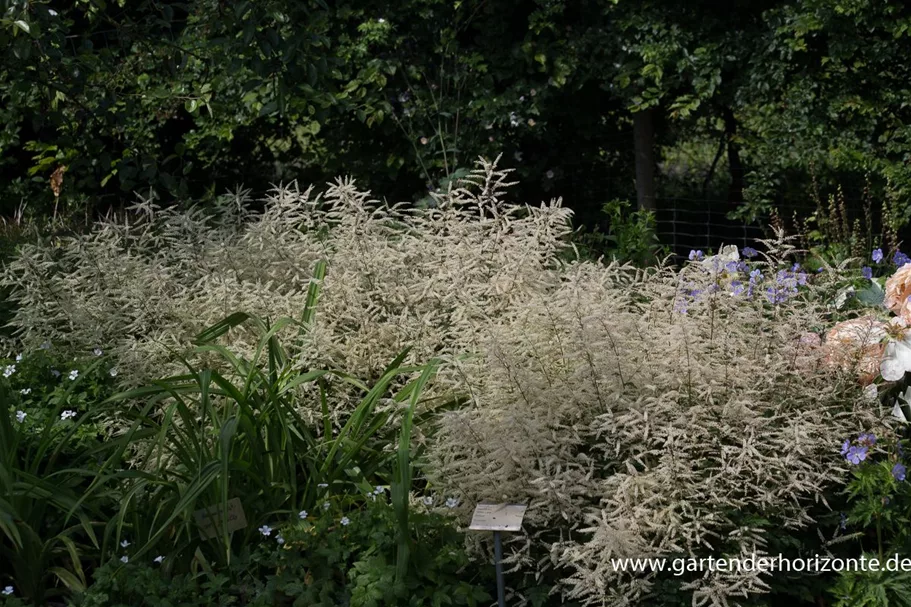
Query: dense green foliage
(750, 101)
(321, 562)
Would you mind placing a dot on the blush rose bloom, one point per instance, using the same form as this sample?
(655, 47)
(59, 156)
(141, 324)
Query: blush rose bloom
(857, 345)
(898, 289)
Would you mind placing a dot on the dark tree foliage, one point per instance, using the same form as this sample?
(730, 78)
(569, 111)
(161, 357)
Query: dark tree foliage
(748, 102)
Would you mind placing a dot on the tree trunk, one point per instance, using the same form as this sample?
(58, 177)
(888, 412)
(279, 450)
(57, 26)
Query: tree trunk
(644, 136)
(735, 165)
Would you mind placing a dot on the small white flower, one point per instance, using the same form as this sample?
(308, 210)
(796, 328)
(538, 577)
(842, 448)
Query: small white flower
(323, 485)
(55, 372)
(124, 559)
(325, 505)
(302, 514)
(345, 521)
(379, 490)
(68, 414)
(74, 374)
(124, 543)
(280, 540)
(381, 20)
(159, 559)
(97, 352)
(20, 416)
(452, 502)
(9, 370)
(428, 501)
(25, 391)
(8, 590)
(51, 12)
(871, 392)
(113, 372)
(266, 530)
(549, 174)
(18, 358)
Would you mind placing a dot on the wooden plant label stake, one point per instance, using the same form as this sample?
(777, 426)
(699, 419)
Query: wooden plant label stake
(498, 517)
(209, 519)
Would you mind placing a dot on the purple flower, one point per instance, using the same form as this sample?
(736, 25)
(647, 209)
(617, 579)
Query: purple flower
(696, 255)
(898, 472)
(856, 454)
(736, 287)
(845, 446)
(786, 283)
(732, 266)
(867, 439)
(775, 296)
(877, 255)
(866, 272)
(900, 259)
(749, 252)
(755, 277)
(844, 521)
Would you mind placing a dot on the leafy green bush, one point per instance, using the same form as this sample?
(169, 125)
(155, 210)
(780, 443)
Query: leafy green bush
(54, 463)
(229, 427)
(210, 435)
(330, 556)
(877, 521)
(631, 238)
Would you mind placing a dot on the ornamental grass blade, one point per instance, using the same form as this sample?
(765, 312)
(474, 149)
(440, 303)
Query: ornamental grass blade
(402, 477)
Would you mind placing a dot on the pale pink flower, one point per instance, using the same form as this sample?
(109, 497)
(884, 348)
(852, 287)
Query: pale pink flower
(898, 290)
(857, 345)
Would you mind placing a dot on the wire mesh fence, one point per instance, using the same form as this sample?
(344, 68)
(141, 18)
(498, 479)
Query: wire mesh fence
(686, 224)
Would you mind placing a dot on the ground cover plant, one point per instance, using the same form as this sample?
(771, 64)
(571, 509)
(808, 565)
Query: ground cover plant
(669, 410)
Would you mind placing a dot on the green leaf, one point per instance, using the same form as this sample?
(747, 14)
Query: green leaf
(872, 295)
(23, 26)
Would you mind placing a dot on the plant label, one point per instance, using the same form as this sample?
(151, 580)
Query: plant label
(497, 517)
(209, 519)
